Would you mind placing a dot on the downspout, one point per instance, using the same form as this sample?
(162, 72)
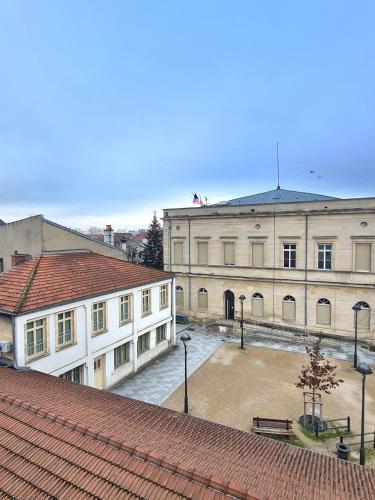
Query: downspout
(170, 246)
(189, 268)
(88, 358)
(173, 311)
(274, 268)
(306, 241)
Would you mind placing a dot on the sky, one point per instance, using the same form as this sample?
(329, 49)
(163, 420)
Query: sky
(111, 109)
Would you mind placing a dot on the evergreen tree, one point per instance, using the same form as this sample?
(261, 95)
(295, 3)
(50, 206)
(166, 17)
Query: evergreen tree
(153, 249)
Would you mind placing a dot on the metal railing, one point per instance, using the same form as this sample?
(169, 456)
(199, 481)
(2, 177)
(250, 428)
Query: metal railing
(319, 425)
(370, 441)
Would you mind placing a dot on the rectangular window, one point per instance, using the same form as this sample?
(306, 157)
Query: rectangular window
(161, 333)
(125, 308)
(1, 265)
(163, 296)
(228, 253)
(143, 343)
(178, 248)
(65, 326)
(146, 301)
(121, 355)
(258, 254)
(36, 337)
(98, 318)
(324, 256)
(363, 257)
(202, 253)
(75, 375)
(290, 255)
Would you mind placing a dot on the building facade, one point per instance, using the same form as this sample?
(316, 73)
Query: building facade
(301, 260)
(34, 235)
(101, 321)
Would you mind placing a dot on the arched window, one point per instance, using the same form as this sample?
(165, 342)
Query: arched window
(179, 296)
(257, 309)
(363, 316)
(323, 312)
(289, 308)
(202, 299)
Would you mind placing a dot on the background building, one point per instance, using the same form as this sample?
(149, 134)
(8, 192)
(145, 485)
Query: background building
(302, 260)
(35, 235)
(84, 317)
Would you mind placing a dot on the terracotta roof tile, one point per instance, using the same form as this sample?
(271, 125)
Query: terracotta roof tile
(64, 277)
(193, 454)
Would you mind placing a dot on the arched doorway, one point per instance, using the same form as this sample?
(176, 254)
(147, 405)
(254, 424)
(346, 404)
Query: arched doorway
(229, 304)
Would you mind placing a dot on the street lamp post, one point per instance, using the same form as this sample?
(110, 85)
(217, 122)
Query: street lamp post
(363, 369)
(355, 308)
(185, 337)
(242, 298)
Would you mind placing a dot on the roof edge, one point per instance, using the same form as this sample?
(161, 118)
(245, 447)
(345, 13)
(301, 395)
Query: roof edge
(214, 482)
(27, 286)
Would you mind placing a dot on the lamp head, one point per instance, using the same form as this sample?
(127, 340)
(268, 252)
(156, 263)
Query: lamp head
(185, 337)
(364, 369)
(242, 298)
(357, 307)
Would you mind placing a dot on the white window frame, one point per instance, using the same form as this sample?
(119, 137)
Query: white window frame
(126, 359)
(164, 296)
(161, 333)
(289, 251)
(325, 252)
(234, 253)
(62, 321)
(71, 375)
(122, 301)
(42, 349)
(95, 313)
(146, 294)
(144, 341)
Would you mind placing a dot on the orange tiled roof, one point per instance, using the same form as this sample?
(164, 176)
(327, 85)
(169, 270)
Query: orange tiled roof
(195, 452)
(64, 277)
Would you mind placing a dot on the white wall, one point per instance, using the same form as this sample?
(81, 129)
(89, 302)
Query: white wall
(87, 348)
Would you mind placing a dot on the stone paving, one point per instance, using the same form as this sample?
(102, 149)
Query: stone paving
(157, 381)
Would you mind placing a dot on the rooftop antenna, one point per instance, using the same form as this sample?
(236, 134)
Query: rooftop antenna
(278, 166)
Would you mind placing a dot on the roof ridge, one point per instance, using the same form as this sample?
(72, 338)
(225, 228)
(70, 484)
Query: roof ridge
(25, 291)
(212, 481)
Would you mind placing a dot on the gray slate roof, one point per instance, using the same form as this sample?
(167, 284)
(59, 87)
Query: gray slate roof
(2, 223)
(277, 196)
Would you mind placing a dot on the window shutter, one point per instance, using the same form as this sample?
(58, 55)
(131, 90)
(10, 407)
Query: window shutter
(363, 257)
(258, 254)
(363, 319)
(202, 300)
(179, 298)
(178, 252)
(202, 252)
(289, 311)
(323, 314)
(228, 253)
(257, 307)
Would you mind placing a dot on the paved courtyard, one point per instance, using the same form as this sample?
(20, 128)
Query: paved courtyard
(233, 386)
(157, 381)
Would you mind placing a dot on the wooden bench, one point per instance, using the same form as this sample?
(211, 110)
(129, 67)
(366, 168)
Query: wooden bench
(272, 426)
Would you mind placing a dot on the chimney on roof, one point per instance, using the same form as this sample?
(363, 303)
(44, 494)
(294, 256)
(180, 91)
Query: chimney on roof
(18, 258)
(108, 234)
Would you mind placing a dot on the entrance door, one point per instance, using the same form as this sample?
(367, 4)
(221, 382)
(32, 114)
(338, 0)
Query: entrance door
(99, 372)
(229, 304)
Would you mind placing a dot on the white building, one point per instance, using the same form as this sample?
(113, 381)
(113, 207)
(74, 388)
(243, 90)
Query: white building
(85, 317)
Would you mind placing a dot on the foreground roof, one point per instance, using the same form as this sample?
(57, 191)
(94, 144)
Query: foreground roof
(277, 196)
(57, 278)
(58, 438)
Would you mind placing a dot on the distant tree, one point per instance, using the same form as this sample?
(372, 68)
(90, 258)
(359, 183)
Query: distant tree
(95, 230)
(153, 248)
(320, 375)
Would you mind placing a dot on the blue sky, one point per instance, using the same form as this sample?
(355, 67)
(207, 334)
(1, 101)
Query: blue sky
(112, 109)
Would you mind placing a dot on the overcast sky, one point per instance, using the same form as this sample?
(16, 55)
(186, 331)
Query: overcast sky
(112, 109)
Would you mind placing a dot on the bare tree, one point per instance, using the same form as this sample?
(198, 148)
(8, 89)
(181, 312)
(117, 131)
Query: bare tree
(320, 375)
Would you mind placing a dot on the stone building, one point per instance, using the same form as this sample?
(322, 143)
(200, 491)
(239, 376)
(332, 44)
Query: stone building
(302, 260)
(34, 235)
